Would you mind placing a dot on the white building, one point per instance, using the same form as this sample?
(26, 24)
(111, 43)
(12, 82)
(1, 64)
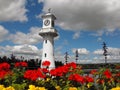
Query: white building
(48, 32)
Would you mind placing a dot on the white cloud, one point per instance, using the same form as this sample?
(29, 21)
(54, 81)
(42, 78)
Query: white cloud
(5, 51)
(30, 38)
(13, 10)
(86, 14)
(114, 51)
(110, 51)
(98, 52)
(39, 1)
(113, 55)
(76, 35)
(3, 33)
(99, 39)
(82, 51)
(26, 51)
(83, 55)
(98, 33)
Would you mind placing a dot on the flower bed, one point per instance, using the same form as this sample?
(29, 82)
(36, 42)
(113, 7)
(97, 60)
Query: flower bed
(66, 77)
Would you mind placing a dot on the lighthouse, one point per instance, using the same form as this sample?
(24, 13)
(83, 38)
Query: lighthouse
(48, 33)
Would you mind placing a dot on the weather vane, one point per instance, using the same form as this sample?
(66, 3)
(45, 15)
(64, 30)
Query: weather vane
(49, 10)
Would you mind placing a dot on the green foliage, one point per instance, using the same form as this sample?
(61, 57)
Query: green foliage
(19, 86)
(103, 79)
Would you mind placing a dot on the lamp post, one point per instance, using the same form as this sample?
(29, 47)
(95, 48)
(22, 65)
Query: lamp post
(105, 52)
(66, 57)
(76, 55)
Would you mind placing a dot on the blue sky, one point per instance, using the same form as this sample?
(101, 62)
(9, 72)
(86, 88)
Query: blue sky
(81, 24)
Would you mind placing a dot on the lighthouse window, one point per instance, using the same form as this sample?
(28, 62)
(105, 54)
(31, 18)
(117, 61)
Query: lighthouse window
(52, 23)
(45, 41)
(45, 55)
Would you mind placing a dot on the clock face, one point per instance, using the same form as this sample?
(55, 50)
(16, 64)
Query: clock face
(46, 22)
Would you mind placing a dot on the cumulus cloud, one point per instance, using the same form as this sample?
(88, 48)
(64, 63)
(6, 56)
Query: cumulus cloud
(99, 39)
(110, 51)
(13, 10)
(32, 37)
(3, 33)
(98, 15)
(114, 51)
(5, 50)
(113, 54)
(82, 51)
(26, 51)
(39, 1)
(98, 52)
(76, 35)
(85, 56)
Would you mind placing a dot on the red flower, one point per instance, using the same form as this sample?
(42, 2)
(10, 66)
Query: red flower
(46, 63)
(30, 74)
(17, 64)
(23, 64)
(100, 81)
(72, 65)
(3, 73)
(4, 66)
(117, 67)
(57, 72)
(62, 70)
(34, 74)
(4, 69)
(80, 79)
(89, 79)
(93, 71)
(77, 78)
(45, 70)
(107, 73)
(118, 74)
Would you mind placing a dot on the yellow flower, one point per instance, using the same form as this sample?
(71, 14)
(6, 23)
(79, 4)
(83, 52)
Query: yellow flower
(41, 88)
(2, 87)
(58, 87)
(36, 88)
(116, 88)
(72, 88)
(89, 85)
(9, 88)
(48, 79)
(31, 87)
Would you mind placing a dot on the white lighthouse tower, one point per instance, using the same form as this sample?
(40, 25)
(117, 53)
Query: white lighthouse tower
(48, 32)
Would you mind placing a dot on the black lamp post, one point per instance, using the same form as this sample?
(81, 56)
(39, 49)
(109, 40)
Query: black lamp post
(105, 51)
(66, 57)
(76, 55)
